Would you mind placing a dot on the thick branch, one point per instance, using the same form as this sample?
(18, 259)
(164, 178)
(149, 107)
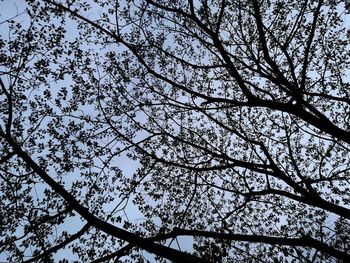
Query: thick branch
(303, 241)
(160, 250)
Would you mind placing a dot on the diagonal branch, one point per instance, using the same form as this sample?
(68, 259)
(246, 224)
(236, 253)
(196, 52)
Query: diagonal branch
(303, 241)
(134, 239)
(60, 245)
(308, 45)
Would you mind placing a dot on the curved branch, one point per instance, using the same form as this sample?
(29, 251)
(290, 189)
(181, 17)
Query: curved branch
(134, 239)
(303, 241)
(60, 245)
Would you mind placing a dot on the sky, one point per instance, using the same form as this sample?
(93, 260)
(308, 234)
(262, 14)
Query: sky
(12, 8)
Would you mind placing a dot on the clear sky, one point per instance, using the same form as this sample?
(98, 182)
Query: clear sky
(13, 8)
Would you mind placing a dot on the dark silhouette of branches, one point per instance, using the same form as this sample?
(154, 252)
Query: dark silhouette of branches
(227, 122)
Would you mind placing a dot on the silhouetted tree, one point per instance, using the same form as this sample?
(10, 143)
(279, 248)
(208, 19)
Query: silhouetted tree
(236, 115)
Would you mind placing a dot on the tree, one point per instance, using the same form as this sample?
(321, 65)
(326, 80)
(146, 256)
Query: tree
(236, 114)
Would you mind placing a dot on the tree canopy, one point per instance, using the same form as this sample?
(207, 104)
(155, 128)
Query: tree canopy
(224, 121)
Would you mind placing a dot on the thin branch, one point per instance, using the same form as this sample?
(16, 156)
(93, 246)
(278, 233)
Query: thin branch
(303, 241)
(134, 239)
(60, 245)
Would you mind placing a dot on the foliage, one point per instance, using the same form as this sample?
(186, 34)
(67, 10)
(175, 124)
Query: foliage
(225, 121)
